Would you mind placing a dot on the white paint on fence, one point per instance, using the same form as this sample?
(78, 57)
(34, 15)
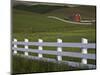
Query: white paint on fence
(26, 47)
(84, 50)
(84, 45)
(59, 49)
(40, 48)
(15, 46)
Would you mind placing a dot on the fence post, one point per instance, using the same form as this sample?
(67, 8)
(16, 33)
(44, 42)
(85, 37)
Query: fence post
(84, 50)
(15, 46)
(59, 49)
(26, 47)
(40, 48)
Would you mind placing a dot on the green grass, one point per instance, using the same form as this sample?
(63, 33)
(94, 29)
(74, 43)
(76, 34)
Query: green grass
(41, 9)
(35, 66)
(61, 11)
(31, 22)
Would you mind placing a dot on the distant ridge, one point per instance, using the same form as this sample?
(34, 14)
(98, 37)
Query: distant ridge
(42, 3)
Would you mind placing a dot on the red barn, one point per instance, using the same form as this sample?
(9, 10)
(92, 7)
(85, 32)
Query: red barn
(77, 17)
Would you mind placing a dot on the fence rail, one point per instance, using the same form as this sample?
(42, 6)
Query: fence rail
(79, 45)
(70, 54)
(84, 55)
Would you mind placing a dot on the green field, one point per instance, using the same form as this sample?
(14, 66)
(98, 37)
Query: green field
(31, 22)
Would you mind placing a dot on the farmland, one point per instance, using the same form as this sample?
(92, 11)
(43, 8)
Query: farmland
(32, 22)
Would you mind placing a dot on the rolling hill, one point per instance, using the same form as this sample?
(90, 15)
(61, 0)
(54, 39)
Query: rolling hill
(33, 19)
(32, 22)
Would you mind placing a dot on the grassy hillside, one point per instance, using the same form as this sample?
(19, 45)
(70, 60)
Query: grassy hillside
(32, 22)
(61, 11)
(85, 12)
(37, 8)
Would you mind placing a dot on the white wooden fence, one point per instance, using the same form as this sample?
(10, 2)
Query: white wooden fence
(84, 45)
